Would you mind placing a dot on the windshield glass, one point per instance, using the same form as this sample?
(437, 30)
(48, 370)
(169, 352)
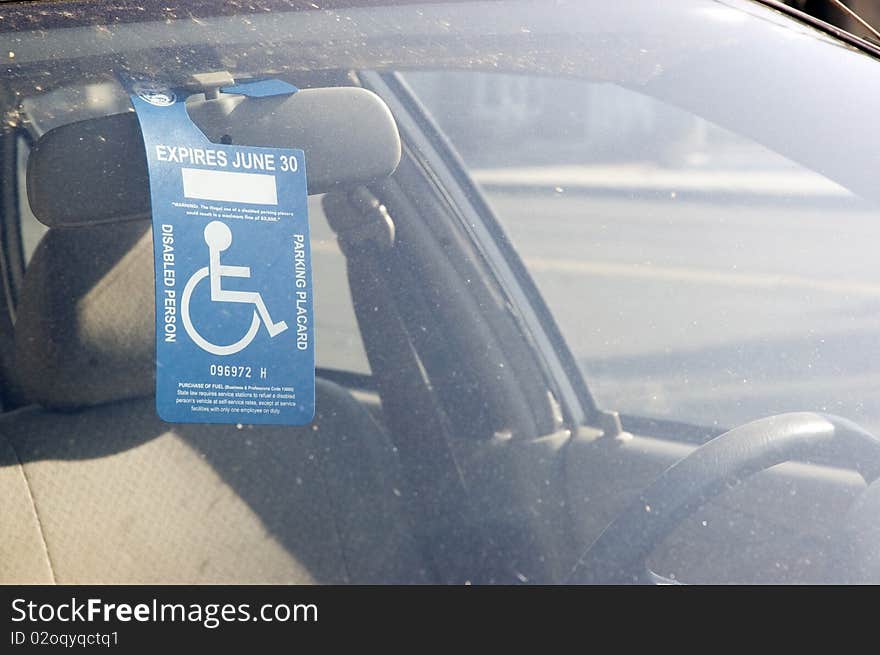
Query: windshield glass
(525, 224)
(696, 274)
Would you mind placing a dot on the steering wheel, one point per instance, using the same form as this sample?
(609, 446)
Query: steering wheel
(619, 554)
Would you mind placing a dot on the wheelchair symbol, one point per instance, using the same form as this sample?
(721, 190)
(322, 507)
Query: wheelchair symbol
(219, 237)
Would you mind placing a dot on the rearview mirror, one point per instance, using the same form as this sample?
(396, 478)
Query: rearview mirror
(95, 171)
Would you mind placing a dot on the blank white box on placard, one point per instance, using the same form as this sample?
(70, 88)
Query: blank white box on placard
(224, 186)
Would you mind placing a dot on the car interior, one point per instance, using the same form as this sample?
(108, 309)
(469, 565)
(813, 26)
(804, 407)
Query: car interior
(124, 497)
(450, 454)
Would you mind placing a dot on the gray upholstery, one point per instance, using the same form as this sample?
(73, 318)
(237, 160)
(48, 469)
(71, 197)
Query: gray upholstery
(85, 330)
(105, 492)
(22, 551)
(124, 498)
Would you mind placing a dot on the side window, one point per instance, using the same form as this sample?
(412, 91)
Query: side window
(695, 274)
(337, 337)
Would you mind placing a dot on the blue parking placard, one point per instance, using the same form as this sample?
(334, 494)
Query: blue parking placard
(234, 322)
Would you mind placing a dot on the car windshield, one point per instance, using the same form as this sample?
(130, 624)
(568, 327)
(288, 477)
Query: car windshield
(606, 219)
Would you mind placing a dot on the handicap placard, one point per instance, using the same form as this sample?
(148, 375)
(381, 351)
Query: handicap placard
(234, 322)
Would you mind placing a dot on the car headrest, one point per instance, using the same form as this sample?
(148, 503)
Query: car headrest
(85, 329)
(95, 171)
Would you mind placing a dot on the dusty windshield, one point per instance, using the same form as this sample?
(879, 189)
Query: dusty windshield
(553, 255)
(696, 274)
